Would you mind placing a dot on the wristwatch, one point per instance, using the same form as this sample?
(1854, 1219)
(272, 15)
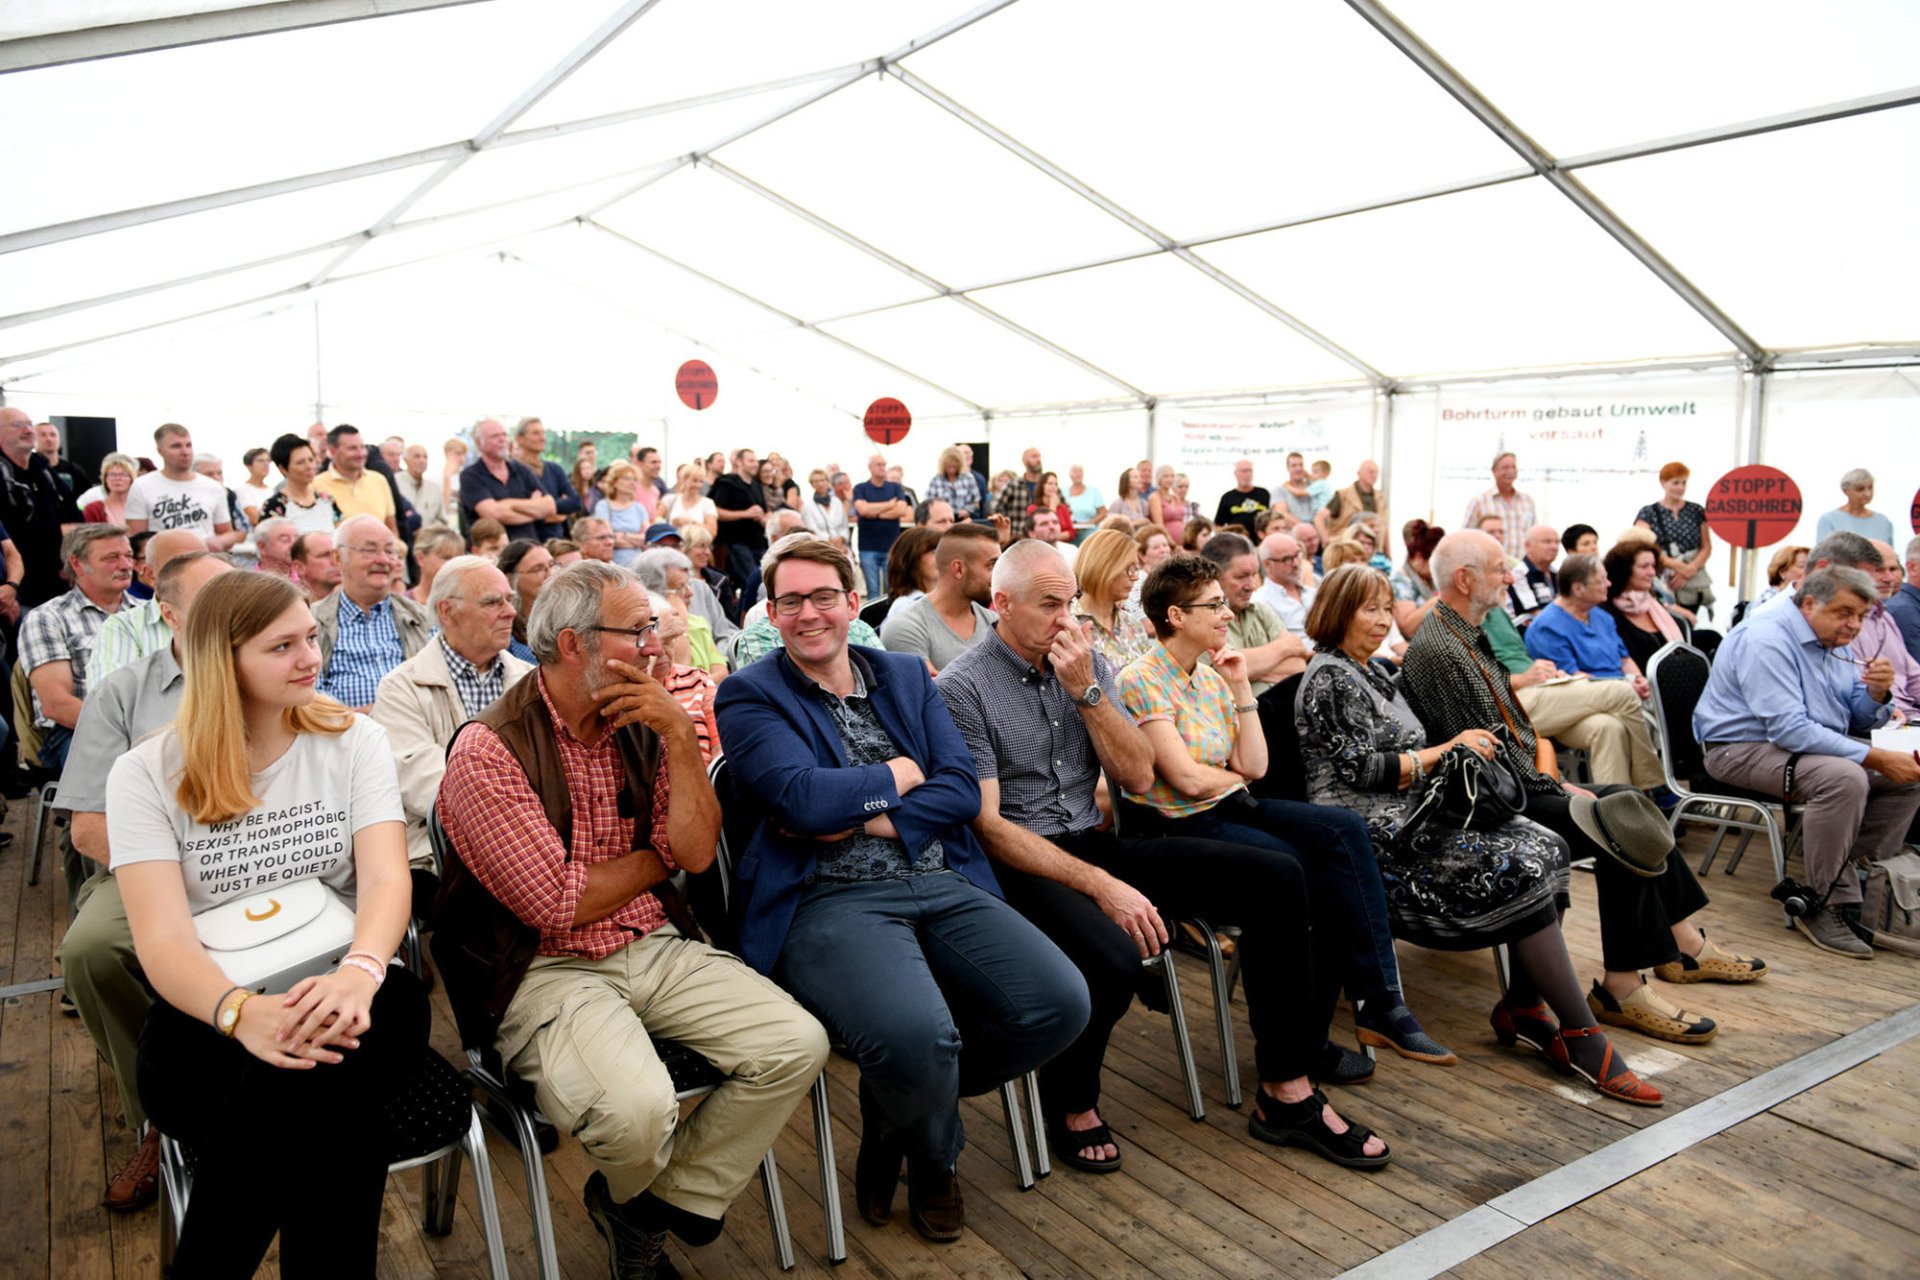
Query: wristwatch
(1091, 698)
(229, 1019)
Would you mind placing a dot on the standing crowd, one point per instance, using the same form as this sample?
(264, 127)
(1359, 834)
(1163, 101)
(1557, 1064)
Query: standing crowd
(990, 745)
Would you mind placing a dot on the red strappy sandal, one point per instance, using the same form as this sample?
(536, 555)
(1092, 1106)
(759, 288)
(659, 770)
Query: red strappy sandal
(1622, 1084)
(1534, 1027)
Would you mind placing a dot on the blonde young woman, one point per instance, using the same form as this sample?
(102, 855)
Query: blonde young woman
(118, 471)
(455, 451)
(1108, 567)
(261, 785)
(687, 504)
(623, 511)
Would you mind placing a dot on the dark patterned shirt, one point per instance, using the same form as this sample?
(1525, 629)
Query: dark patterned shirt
(1678, 532)
(1455, 683)
(478, 689)
(1013, 504)
(862, 856)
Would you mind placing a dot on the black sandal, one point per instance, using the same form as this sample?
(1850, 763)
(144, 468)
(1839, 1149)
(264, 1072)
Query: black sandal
(1068, 1143)
(1303, 1124)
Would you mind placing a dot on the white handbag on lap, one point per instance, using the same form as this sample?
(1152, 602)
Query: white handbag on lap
(269, 941)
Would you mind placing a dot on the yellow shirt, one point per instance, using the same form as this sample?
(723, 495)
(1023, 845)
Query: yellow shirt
(369, 496)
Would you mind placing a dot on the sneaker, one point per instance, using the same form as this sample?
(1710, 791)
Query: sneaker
(1826, 930)
(1644, 1011)
(1713, 964)
(137, 1185)
(636, 1252)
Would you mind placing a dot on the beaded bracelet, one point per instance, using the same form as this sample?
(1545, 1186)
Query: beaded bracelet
(359, 960)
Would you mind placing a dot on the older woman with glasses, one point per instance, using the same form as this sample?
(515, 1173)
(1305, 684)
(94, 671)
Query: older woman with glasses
(1208, 745)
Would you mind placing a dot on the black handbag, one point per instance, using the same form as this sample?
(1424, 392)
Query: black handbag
(1465, 792)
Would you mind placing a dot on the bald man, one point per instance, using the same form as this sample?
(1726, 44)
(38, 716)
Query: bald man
(1364, 494)
(35, 510)
(138, 630)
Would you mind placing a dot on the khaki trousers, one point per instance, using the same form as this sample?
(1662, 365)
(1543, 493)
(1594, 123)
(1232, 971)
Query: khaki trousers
(578, 1031)
(103, 978)
(1604, 718)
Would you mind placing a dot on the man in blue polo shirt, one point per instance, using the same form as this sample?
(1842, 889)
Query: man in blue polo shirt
(881, 505)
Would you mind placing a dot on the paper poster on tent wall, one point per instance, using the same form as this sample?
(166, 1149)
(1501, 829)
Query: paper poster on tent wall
(1589, 453)
(1206, 443)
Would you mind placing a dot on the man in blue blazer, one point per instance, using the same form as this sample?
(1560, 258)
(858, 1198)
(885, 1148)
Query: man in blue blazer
(867, 895)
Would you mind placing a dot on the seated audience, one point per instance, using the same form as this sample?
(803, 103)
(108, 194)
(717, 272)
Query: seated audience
(1788, 689)
(1879, 636)
(1414, 594)
(762, 636)
(137, 630)
(1281, 588)
(1644, 625)
(1853, 516)
(667, 573)
(1107, 570)
(1576, 637)
(316, 565)
(1835, 551)
(912, 570)
(1784, 571)
(1310, 544)
(1040, 823)
(1681, 538)
(527, 566)
(273, 541)
(872, 901)
(365, 630)
(690, 686)
(1047, 497)
(1208, 745)
(255, 750)
(1365, 751)
(1903, 606)
(953, 615)
(96, 953)
(1273, 652)
(1533, 586)
(57, 638)
(615, 958)
(423, 702)
(594, 536)
(1454, 683)
(565, 551)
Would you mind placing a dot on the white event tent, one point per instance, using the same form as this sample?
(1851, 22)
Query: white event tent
(1604, 236)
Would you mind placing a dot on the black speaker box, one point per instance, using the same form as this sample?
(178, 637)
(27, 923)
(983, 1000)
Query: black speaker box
(86, 441)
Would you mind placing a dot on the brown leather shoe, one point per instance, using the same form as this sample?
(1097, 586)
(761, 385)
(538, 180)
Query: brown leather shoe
(876, 1177)
(935, 1205)
(137, 1185)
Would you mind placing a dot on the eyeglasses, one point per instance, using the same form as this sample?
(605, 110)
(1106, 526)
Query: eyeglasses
(1215, 605)
(1281, 559)
(492, 600)
(823, 599)
(639, 635)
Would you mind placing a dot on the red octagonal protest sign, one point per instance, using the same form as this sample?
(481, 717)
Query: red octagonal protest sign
(697, 384)
(1753, 506)
(887, 421)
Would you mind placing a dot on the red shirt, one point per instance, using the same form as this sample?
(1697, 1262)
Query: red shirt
(500, 829)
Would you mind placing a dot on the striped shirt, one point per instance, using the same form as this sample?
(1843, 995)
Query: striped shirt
(125, 638)
(366, 648)
(1000, 703)
(478, 689)
(64, 629)
(1517, 515)
(1200, 706)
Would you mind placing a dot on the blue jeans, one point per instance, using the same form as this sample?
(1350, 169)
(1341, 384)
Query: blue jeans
(53, 747)
(873, 567)
(938, 989)
(1342, 875)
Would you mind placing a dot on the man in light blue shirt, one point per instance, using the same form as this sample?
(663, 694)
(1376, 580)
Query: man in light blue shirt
(1786, 686)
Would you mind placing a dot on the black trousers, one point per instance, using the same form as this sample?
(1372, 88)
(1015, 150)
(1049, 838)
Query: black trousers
(1291, 983)
(302, 1153)
(1637, 913)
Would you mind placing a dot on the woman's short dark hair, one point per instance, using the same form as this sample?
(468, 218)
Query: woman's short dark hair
(1341, 594)
(903, 560)
(1420, 538)
(1619, 564)
(282, 450)
(1575, 570)
(246, 459)
(1174, 581)
(1571, 538)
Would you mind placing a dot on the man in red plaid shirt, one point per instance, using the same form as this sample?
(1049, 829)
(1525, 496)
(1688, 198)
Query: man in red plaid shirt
(611, 970)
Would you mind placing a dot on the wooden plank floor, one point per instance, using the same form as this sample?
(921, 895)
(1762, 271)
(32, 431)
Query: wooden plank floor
(1825, 1184)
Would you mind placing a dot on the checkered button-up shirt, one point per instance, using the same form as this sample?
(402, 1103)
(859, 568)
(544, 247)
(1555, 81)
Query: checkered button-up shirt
(1013, 504)
(478, 689)
(1517, 515)
(64, 629)
(1199, 706)
(367, 647)
(498, 825)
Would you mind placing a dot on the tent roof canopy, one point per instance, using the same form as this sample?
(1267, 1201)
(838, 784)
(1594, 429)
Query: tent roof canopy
(1048, 202)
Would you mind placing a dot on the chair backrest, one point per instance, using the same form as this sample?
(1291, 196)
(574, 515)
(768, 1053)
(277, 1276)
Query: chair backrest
(24, 730)
(1286, 774)
(1678, 674)
(715, 895)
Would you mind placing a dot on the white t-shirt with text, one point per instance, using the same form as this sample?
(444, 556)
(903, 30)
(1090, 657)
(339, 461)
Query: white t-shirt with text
(312, 801)
(197, 503)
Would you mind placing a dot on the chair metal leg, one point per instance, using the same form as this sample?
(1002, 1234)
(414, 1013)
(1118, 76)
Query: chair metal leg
(176, 1184)
(1739, 852)
(1017, 1136)
(777, 1211)
(441, 1192)
(829, 1175)
(1042, 1159)
(484, 1196)
(1223, 1013)
(526, 1139)
(1182, 1044)
(40, 814)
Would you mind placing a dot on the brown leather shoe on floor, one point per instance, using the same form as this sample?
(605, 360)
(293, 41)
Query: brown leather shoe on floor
(876, 1177)
(137, 1185)
(935, 1205)
(1713, 964)
(1645, 1012)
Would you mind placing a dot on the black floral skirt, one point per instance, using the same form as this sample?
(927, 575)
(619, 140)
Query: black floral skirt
(1464, 890)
